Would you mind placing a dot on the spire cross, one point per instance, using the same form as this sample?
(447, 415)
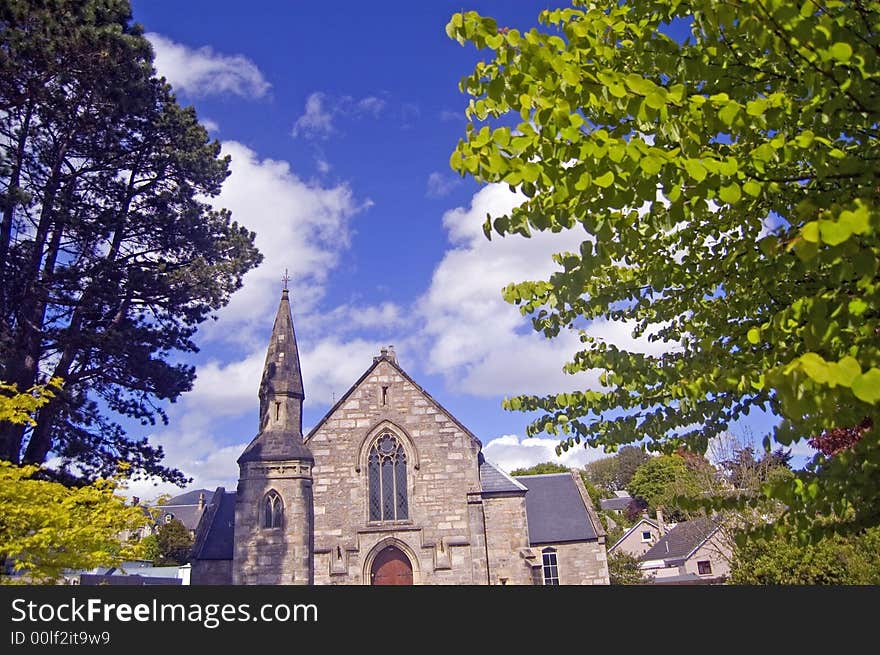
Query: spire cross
(285, 279)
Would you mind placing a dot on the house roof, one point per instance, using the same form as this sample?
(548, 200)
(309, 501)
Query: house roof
(189, 498)
(494, 480)
(216, 532)
(682, 540)
(633, 529)
(619, 503)
(555, 509)
(189, 515)
(390, 359)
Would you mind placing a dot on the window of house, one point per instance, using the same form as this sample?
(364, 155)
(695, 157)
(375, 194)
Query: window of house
(272, 510)
(386, 470)
(646, 535)
(704, 567)
(551, 566)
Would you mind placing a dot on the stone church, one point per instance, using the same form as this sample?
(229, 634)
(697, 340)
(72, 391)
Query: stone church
(388, 488)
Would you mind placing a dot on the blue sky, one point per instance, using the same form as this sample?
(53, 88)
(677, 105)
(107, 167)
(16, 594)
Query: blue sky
(340, 119)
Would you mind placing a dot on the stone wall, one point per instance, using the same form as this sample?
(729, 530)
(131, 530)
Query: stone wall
(580, 563)
(211, 572)
(442, 471)
(273, 555)
(507, 540)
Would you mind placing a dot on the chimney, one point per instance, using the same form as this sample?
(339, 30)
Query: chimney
(391, 354)
(660, 525)
(202, 502)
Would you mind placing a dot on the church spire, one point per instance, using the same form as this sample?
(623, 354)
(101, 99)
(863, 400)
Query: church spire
(282, 378)
(281, 393)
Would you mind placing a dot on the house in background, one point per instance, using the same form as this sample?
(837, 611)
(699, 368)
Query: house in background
(639, 539)
(692, 552)
(131, 573)
(618, 504)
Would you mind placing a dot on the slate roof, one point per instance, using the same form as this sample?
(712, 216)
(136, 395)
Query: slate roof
(216, 531)
(555, 509)
(681, 540)
(620, 503)
(276, 445)
(494, 480)
(191, 497)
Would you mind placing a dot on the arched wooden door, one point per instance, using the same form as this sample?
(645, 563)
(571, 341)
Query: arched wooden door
(391, 567)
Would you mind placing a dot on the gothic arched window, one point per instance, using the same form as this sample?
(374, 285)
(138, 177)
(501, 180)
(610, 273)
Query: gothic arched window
(272, 510)
(386, 466)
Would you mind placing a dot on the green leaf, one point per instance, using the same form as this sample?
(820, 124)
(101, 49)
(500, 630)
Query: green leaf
(754, 336)
(841, 51)
(814, 366)
(728, 113)
(810, 232)
(651, 164)
(752, 188)
(857, 307)
(695, 169)
(730, 193)
(833, 232)
(866, 387)
(605, 180)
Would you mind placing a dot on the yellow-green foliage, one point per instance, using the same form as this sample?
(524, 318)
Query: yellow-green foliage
(46, 527)
(20, 407)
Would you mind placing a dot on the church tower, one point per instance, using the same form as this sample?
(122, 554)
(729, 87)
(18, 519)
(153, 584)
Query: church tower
(274, 513)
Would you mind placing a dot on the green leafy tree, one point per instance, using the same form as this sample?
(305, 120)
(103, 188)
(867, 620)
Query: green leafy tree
(623, 569)
(662, 480)
(541, 469)
(110, 256)
(175, 543)
(46, 527)
(835, 560)
(150, 548)
(603, 473)
(726, 186)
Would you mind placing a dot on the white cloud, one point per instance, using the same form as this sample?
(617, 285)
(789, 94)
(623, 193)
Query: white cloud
(300, 226)
(440, 185)
(321, 112)
(483, 343)
(317, 121)
(476, 338)
(510, 452)
(210, 125)
(371, 105)
(202, 72)
(323, 166)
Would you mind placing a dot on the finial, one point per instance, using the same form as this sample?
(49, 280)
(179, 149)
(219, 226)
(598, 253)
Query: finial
(285, 279)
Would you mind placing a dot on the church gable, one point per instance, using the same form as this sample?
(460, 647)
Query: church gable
(391, 462)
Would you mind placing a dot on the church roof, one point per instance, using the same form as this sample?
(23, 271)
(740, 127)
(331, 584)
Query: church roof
(216, 532)
(494, 480)
(556, 510)
(276, 445)
(392, 360)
